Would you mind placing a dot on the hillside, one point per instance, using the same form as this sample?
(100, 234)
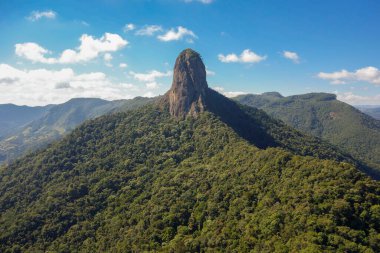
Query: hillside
(373, 111)
(193, 172)
(14, 117)
(322, 115)
(56, 121)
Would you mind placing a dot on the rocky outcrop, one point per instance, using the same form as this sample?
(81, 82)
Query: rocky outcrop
(189, 87)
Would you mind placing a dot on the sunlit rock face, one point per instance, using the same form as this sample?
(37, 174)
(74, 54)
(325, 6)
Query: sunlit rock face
(187, 94)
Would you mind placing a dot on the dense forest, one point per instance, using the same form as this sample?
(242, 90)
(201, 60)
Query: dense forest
(144, 181)
(322, 115)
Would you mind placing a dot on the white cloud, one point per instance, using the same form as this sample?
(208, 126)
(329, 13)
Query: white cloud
(108, 57)
(84, 23)
(129, 27)
(36, 15)
(228, 58)
(152, 85)
(247, 56)
(149, 94)
(293, 56)
(200, 1)
(89, 49)
(123, 65)
(367, 74)
(354, 99)
(33, 52)
(149, 30)
(228, 93)
(150, 79)
(178, 34)
(151, 76)
(43, 86)
(210, 72)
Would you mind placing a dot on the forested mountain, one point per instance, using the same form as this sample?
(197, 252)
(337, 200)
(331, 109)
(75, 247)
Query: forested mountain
(43, 125)
(373, 111)
(322, 115)
(192, 172)
(14, 117)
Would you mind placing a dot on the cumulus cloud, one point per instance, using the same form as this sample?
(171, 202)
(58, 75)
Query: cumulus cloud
(152, 85)
(129, 27)
(150, 79)
(62, 85)
(34, 52)
(89, 49)
(149, 94)
(367, 74)
(247, 56)
(150, 76)
(107, 57)
(43, 86)
(229, 94)
(123, 65)
(36, 15)
(293, 56)
(354, 99)
(149, 30)
(178, 34)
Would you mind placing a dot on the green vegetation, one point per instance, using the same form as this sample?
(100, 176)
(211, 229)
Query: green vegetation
(143, 181)
(321, 115)
(51, 123)
(14, 117)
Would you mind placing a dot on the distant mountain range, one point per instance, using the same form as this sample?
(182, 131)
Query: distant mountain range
(13, 117)
(30, 128)
(27, 129)
(322, 115)
(371, 110)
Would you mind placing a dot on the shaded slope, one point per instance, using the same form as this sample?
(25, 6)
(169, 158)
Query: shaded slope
(323, 116)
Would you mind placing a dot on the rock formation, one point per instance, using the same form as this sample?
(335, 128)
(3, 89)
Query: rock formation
(187, 94)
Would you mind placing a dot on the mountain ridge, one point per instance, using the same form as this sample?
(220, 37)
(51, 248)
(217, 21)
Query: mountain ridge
(322, 115)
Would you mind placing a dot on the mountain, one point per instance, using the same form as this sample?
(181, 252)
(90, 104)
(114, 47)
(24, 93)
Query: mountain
(192, 172)
(373, 111)
(53, 122)
(322, 115)
(14, 117)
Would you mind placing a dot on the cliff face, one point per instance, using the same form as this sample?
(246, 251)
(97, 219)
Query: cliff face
(187, 94)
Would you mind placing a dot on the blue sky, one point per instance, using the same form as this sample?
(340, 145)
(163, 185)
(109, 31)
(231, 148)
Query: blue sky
(52, 51)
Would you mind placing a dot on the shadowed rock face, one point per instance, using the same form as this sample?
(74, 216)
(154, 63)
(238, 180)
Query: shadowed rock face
(187, 94)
